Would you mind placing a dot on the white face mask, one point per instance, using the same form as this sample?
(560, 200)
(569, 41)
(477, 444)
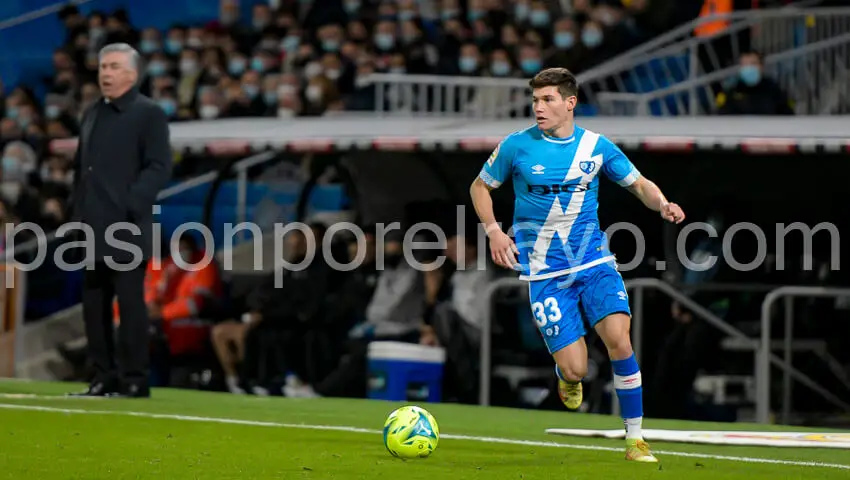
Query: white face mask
(285, 90)
(188, 66)
(333, 74)
(209, 111)
(314, 93)
(312, 70)
(285, 113)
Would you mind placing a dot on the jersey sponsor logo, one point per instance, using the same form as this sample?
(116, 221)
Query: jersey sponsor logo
(557, 188)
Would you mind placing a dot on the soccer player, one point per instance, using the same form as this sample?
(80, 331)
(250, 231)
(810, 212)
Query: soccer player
(560, 249)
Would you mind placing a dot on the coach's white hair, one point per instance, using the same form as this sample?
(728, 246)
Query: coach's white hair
(135, 58)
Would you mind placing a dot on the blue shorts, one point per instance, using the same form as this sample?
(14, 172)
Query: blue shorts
(562, 305)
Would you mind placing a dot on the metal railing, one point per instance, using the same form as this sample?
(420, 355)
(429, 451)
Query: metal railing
(761, 348)
(664, 61)
(764, 358)
(813, 76)
(39, 13)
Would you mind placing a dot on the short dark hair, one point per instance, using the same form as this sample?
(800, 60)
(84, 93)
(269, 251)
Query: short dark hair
(556, 77)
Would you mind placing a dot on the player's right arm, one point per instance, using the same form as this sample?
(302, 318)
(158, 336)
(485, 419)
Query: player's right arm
(493, 174)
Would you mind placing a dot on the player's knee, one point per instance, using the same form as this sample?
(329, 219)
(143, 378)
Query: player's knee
(620, 346)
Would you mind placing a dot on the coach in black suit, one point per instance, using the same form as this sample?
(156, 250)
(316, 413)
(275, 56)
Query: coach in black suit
(123, 160)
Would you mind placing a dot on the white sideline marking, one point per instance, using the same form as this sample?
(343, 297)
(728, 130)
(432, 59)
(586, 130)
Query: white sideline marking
(340, 428)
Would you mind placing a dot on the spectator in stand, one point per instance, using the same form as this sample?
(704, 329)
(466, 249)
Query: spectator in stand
(752, 93)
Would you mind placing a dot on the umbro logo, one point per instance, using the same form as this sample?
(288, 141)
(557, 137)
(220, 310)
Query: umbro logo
(537, 169)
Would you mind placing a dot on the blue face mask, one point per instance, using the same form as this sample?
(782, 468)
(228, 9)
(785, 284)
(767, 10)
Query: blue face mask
(448, 14)
(236, 67)
(156, 69)
(10, 165)
(564, 39)
(467, 64)
(750, 75)
(330, 45)
(591, 38)
(531, 65)
(148, 46)
(500, 68)
(539, 18)
(173, 46)
(168, 107)
(290, 43)
(406, 15)
(251, 90)
(270, 98)
(258, 65)
(352, 7)
(12, 113)
(474, 15)
(52, 111)
(384, 41)
(521, 12)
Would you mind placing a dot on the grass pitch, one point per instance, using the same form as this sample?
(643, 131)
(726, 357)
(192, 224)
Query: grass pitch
(187, 434)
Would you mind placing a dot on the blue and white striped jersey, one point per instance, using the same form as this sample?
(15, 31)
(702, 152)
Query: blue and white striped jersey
(556, 185)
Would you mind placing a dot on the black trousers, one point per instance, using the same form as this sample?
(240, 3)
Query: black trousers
(129, 362)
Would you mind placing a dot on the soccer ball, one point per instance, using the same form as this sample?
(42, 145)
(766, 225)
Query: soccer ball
(411, 432)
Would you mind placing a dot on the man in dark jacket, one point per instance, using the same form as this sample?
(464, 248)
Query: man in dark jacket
(123, 159)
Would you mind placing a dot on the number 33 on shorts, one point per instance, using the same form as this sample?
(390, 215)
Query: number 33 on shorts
(547, 312)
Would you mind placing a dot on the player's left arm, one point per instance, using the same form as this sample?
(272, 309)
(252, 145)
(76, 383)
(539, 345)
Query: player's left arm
(617, 167)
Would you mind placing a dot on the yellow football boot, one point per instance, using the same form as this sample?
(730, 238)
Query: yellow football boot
(638, 451)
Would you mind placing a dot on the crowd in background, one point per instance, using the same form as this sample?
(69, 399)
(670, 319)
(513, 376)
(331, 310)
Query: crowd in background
(299, 59)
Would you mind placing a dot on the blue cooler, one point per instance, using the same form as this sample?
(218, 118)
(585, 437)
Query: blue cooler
(401, 371)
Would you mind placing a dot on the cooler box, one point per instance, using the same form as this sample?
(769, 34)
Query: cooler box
(401, 371)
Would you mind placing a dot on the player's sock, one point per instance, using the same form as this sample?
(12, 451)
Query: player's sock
(560, 375)
(627, 383)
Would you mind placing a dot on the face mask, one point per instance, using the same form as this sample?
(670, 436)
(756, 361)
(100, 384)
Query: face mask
(260, 23)
(270, 98)
(290, 43)
(500, 68)
(410, 38)
(195, 42)
(173, 46)
(52, 111)
(352, 7)
(156, 69)
(285, 113)
(592, 38)
(148, 46)
(530, 65)
(406, 15)
(208, 112)
(258, 65)
(449, 14)
(468, 64)
(314, 93)
(96, 33)
(312, 70)
(168, 106)
(333, 74)
(188, 67)
(269, 45)
(251, 90)
(539, 18)
(750, 75)
(384, 41)
(24, 122)
(607, 19)
(286, 90)
(236, 67)
(12, 112)
(474, 15)
(10, 166)
(521, 12)
(330, 45)
(564, 39)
